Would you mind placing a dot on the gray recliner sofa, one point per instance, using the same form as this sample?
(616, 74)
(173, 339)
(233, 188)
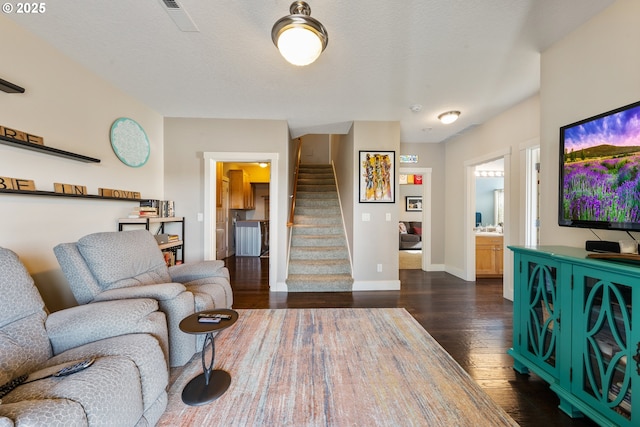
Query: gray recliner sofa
(121, 265)
(125, 385)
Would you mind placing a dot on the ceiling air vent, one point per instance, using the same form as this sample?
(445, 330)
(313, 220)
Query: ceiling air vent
(171, 4)
(179, 16)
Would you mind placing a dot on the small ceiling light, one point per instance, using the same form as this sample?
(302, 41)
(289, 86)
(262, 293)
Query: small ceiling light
(449, 117)
(299, 38)
(416, 108)
(263, 164)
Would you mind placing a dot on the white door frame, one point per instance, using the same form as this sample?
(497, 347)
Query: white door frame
(469, 215)
(210, 159)
(426, 215)
(530, 192)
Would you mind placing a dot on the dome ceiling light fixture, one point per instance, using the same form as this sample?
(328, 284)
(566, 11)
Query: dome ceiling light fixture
(299, 37)
(449, 117)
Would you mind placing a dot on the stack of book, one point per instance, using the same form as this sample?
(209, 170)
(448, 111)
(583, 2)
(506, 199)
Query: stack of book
(164, 208)
(173, 237)
(143, 212)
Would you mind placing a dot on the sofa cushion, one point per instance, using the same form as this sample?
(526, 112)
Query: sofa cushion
(43, 412)
(415, 227)
(107, 390)
(24, 345)
(124, 259)
(23, 340)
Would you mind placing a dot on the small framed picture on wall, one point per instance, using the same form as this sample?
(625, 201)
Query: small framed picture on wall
(413, 203)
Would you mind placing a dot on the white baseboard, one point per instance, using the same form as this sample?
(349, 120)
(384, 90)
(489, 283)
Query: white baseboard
(279, 287)
(362, 285)
(458, 272)
(435, 267)
(376, 285)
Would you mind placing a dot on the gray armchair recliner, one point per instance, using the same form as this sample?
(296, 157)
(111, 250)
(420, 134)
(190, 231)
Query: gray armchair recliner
(125, 385)
(122, 265)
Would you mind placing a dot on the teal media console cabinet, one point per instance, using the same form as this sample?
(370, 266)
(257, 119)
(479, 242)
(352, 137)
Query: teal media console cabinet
(575, 327)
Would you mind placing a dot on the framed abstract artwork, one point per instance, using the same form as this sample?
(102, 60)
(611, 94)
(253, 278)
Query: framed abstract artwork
(377, 176)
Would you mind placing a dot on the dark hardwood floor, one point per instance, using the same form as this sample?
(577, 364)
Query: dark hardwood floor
(472, 321)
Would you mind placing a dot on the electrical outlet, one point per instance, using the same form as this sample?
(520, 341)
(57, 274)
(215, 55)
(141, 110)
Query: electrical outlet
(200, 217)
(379, 268)
(388, 216)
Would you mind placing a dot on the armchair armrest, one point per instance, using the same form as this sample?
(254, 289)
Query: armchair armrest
(158, 292)
(76, 326)
(198, 270)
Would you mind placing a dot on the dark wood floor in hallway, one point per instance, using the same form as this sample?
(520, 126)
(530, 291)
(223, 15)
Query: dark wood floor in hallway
(472, 321)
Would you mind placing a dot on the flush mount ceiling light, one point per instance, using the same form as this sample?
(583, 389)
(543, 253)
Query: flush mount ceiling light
(449, 117)
(299, 38)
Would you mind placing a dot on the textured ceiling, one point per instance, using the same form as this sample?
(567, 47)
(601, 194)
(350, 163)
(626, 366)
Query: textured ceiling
(476, 56)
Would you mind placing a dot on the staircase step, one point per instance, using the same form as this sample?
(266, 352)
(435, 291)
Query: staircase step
(314, 252)
(316, 180)
(314, 166)
(315, 229)
(319, 266)
(316, 199)
(328, 240)
(317, 220)
(315, 176)
(324, 283)
(317, 188)
(317, 210)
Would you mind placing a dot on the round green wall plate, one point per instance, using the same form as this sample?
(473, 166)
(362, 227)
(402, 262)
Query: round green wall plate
(130, 143)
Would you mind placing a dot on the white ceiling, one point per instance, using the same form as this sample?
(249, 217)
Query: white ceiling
(476, 56)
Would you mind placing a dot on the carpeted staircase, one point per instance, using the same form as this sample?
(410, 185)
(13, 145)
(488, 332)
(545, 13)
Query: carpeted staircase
(318, 256)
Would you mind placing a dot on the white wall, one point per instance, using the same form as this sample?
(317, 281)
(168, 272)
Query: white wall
(431, 156)
(504, 133)
(594, 69)
(186, 139)
(315, 149)
(344, 159)
(72, 109)
(371, 239)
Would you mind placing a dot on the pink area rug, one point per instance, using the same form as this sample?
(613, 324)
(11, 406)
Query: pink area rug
(334, 367)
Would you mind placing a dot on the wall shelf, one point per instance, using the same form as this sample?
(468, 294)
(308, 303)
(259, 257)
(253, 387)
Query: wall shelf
(46, 150)
(73, 196)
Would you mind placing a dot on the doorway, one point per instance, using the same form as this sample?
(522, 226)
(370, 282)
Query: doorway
(424, 192)
(210, 188)
(489, 219)
(470, 210)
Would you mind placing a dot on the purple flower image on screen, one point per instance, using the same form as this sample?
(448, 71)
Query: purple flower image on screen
(601, 169)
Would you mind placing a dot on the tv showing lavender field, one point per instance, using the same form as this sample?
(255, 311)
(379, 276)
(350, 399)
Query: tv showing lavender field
(600, 179)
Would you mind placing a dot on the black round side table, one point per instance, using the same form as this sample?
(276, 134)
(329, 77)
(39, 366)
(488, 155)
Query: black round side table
(210, 384)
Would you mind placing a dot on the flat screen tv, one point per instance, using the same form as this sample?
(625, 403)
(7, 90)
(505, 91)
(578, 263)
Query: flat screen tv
(600, 171)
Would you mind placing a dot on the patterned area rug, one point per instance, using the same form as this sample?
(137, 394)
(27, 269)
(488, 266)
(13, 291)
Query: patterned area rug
(334, 367)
